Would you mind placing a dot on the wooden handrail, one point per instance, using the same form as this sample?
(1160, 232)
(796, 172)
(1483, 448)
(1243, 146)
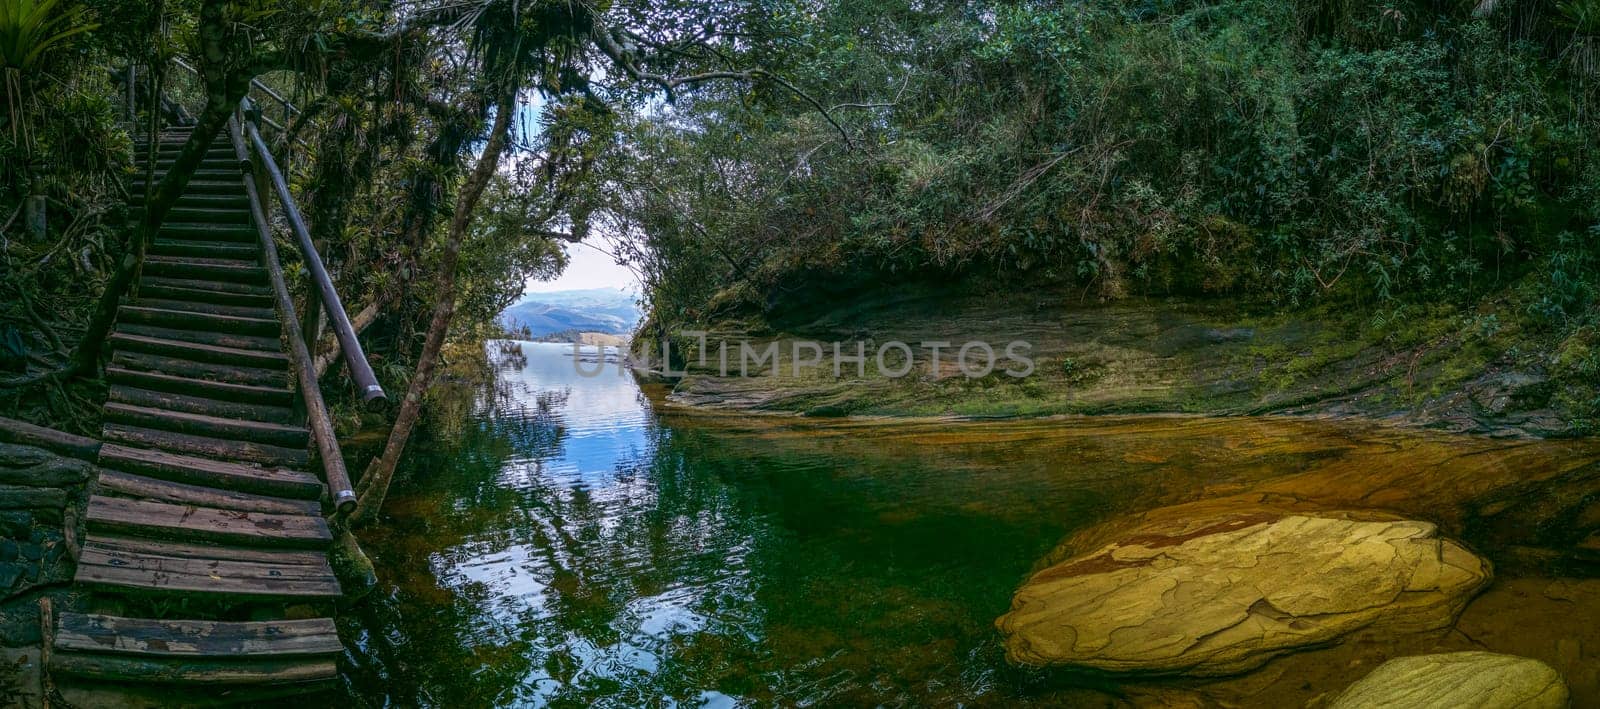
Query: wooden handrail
(338, 479)
(354, 357)
(268, 90)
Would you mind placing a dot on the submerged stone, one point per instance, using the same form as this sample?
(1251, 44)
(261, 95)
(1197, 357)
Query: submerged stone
(1484, 680)
(1226, 593)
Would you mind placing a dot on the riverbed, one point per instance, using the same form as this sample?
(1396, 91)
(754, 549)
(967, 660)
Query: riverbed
(576, 540)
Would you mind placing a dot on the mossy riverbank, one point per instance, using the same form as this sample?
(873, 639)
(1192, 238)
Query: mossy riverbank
(1482, 367)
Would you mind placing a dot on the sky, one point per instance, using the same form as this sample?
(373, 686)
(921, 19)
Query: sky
(588, 268)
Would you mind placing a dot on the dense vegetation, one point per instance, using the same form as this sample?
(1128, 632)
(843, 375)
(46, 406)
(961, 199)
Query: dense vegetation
(441, 151)
(740, 154)
(1398, 150)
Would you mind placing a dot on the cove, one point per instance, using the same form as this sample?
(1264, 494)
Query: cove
(580, 541)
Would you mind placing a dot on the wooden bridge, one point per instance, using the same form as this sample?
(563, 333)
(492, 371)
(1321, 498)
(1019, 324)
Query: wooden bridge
(205, 560)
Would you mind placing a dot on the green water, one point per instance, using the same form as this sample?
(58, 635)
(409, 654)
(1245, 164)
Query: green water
(581, 543)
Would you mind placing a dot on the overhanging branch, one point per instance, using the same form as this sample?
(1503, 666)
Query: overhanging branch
(607, 42)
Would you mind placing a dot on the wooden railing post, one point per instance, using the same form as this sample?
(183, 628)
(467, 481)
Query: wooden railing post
(317, 419)
(133, 102)
(354, 356)
(311, 320)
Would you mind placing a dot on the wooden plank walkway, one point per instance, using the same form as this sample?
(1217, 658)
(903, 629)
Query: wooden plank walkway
(205, 494)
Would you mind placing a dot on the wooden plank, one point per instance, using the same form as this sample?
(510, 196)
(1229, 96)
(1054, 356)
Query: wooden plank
(141, 487)
(206, 232)
(199, 351)
(200, 405)
(129, 571)
(209, 286)
(200, 306)
(26, 434)
(84, 692)
(275, 434)
(275, 481)
(144, 546)
(236, 213)
(216, 339)
(118, 515)
(83, 632)
(244, 393)
(146, 288)
(204, 249)
(211, 201)
(133, 669)
(186, 320)
(206, 186)
(212, 160)
(206, 371)
(205, 446)
(204, 269)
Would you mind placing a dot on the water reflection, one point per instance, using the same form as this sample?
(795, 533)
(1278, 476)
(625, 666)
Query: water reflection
(578, 545)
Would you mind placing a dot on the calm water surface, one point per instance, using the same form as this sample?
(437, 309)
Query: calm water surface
(581, 544)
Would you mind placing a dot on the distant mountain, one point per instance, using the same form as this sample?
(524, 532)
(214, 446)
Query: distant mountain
(606, 310)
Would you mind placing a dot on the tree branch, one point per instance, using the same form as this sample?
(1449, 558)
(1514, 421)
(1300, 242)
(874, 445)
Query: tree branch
(608, 45)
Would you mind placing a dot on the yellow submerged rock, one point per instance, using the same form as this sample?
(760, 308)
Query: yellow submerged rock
(1223, 594)
(1456, 680)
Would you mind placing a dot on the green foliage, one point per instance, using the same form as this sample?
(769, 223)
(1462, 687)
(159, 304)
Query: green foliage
(29, 28)
(1243, 146)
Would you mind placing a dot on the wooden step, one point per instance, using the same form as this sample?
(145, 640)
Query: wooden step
(275, 481)
(191, 306)
(208, 172)
(223, 391)
(145, 546)
(210, 161)
(202, 337)
(220, 146)
(200, 405)
(148, 288)
(196, 639)
(234, 186)
(200, 291)
(118, 483)
(205, 446)
(233, 250)
(212, 201)
(272, 434)
(155, 567)
(179, 367)
(235, 675)
(188, 320)
(80, 632)
(200, 231)
(206, 269)
(210, 215)
(199, 352)
(148, 518)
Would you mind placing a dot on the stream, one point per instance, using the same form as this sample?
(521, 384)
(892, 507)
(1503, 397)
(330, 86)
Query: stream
(578, 542)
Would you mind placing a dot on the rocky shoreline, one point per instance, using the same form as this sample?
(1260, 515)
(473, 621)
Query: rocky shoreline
(1455, 369)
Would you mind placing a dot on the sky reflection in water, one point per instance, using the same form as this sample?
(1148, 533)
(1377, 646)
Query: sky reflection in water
(580, 545)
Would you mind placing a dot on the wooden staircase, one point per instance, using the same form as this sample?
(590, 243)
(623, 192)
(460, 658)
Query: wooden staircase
(206, 546)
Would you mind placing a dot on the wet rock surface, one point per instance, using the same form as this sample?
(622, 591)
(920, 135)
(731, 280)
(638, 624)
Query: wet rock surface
(1225, 593)
(1484, 680)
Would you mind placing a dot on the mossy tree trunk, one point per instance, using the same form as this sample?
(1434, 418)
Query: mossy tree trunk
(374, 484)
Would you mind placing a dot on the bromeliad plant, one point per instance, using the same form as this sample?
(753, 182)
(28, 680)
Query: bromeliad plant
(28, 30)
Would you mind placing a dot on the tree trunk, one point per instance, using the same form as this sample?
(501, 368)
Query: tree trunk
(87, 358)
(359, 323)
(224, 89)
(374, 485)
